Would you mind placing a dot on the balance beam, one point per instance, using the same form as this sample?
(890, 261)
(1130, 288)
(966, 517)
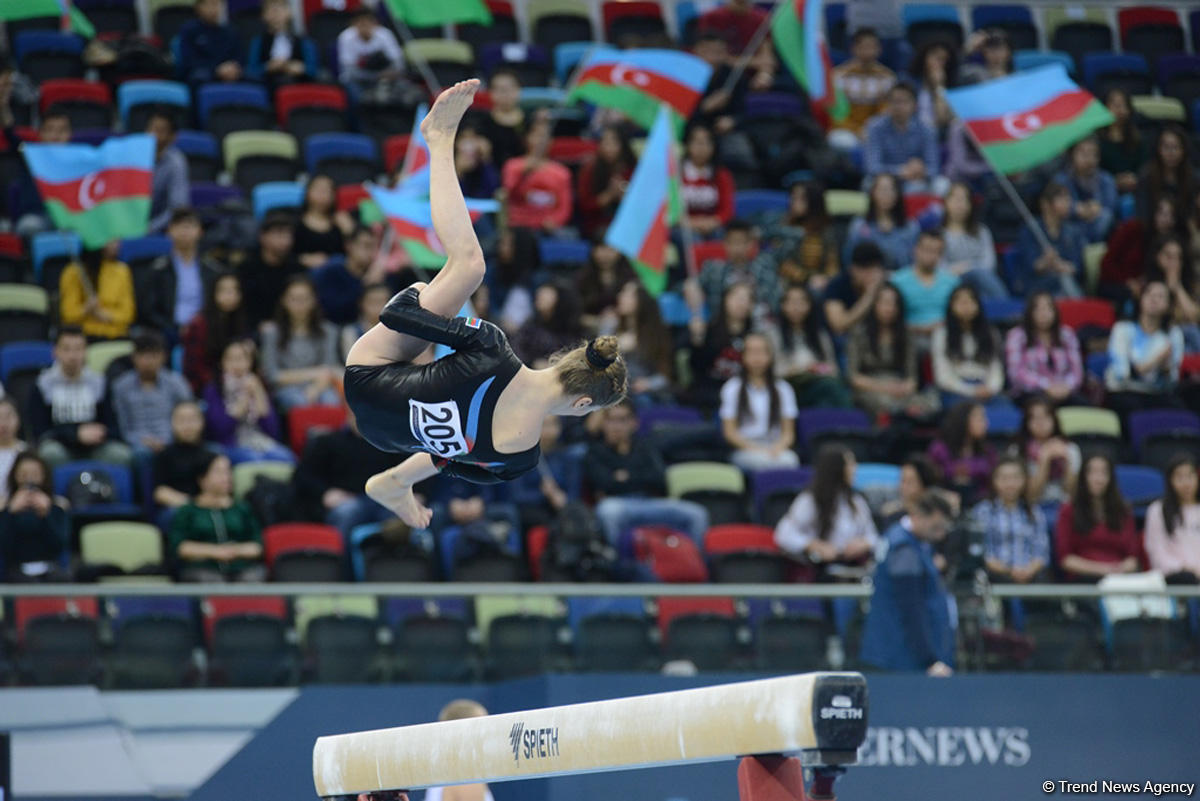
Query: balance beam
(821, 717)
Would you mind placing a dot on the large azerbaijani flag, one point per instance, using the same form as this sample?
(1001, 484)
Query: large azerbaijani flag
(428, 13)
(1028, 118)
(798, 28)
(102, 193)
(416, 156)
(642, 225)
(638, 82)
(72, 18)
(409, 216)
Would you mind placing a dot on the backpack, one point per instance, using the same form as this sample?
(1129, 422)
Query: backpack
(271, 501)
(669, 554)
(91, 488)
(576, 549)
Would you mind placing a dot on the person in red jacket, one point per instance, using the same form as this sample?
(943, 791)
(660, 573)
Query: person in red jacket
(537, 190)
(603, 181)
(1123, 268)
(707, 188)
(1095, 535)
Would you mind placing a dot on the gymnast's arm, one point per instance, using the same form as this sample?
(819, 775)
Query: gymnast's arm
(404, 314)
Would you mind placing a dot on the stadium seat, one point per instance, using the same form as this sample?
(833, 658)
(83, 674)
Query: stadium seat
(218, 608)
(103, 353)
(450, 60)
(351, 196)
(703, 632)
(1140, 485)
(307, 109)
(691, 477)
(223, 108)
(1145, 423)
(255, 157)
(1016, 22)
(303, 552)
(110, 16)
(635, 19)
(615, 641)
(135, 99)
(1064, 644)
(304, 421)
(1159, 450)
(568, 55)
(811, 423)
(88, 104)
(563, 252)
(119, 507)
(207, 197)
(168, 17)
(245, 473)
(1152, 644)
(502, 29)
(432, 647)
(525, 645)
(394, 150)
(372, 559)
(46, 55)
(553, 22)
(1160, 109)
(573, 151)
(836, 27)
(139, 251)
(1150, 31)
(1077, 313)
(931, 22)
(346, 158)
(24, 309)
(1128, 71)
(127, 546)
(757, 204)
(529, 62)
(342, 649)
(774, 491)
(1179, 77)
(251, 648)
(59, 641)
(202, 153)
(1088, 420)
(24, 356)
(1003, 418)
(1078, 32)
(792, 643)
(744, 554)
(1032, 59)
(845, 202)
(154, 640)
(288, 195)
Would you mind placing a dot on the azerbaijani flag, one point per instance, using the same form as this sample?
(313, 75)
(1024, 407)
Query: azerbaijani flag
(798, 28)
(412, 221)
(72, 18)
(416, 157)
(651, 205)
(102, 193)
(428, 13)
(637, 82)
(1027, 118)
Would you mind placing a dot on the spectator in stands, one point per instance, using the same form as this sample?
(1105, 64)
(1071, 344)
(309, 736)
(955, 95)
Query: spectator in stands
(144, 397)
(269, 267)
(238, 410)
(603, 180)
(1052, 461)
(215, 537)
(300, 349)
(881, 362)
(178, 466)
(645, 343)
(964, 162)
(553, 326)
(758, 411)
(898, 143)
(340, 284)
(1169, 264)
(627, 476)
(370, 304)
(504, 125)
(830, 521)
(1093, 191)
(737, 21)
(541, 494)
(1169, 173)
(865, 82)
(966, 352)
(917, 476)
(1173, 525)
(886, 223)
(1145, 354)
(332, 472)
(1058, 268)
(802, 246)
(910, 625)
(169, 183)
(1042, 354)
(962, 451)
(707, 187)
(96, 294)
(24, 202)
(849, 297)
(1095, 535)
(10, 442)
(739, 266)
(178, 282)
(537, 190)
(477, 176)
(69, 408)
(599, 283)
(805, 356)
(223, 319)
(35, 529)
(935, 68)
(988, 55)
(1123, 268)
(368, 53)
(321, 229)
(277, 55)
(716, 354)
(1122, 149)
(970, 251)
(1016, 540)
(926, 287)
(207, 50)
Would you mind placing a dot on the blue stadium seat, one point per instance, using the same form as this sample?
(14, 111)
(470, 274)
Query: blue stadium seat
(197, 143)
(686, 14)
(563, 251)
(568, 54)
(276, 195)
(1003, 418)
(1145, 423)
(530, 62)
(53, 244)
(929, 22)
(143, 93)
(1179, 76)
(1003, 310)
(122, 505)
(1097, 364)
(674, 309)
(755, 202)
(927, 12)
(835, 26)
(580, 608)
(121, 610)
(208, 195)
(1128, 70)
(1140, 485)
(990, 15)
(143, 248)
(326, 152)
(23, 355)
(536, 96)
(1032, 59)
(874, 474)
(215, 95)
(30, 42)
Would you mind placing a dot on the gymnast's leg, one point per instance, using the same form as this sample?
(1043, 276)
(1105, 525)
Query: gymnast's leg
(464, 268)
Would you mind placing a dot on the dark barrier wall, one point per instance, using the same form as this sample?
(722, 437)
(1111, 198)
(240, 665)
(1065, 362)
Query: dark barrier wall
(970, 737)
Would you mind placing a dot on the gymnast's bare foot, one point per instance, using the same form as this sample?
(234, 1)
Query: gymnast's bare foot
(441, 123)
(398, 498)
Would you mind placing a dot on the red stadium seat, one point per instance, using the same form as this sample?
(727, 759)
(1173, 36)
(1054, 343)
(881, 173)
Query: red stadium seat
(1190, 366)
(11, 246)
(26, 609)
(290, 98)
(215, 609)
(631, 17)
(312, 7)
(302, 419)
(571, 150)
(350, 195)
(1145, 15)
(535, 544)
(916, 204)
(73, 90)
(739, 537)
(1079, 312)
(671, 608)
(482, 101)
(394, 148)
(286, 537)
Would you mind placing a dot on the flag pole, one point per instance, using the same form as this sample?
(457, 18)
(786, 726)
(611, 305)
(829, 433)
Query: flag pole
(747, 55)
(431, 81)
(686, 235)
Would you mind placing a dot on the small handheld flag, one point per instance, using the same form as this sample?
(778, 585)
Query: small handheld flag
(797, 27)
(637, 82)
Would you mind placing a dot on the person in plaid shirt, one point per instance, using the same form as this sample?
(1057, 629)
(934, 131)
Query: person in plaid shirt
(1042, 355)
(1016, 540)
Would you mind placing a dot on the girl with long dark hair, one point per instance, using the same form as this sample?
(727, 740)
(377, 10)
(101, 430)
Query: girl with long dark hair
(554, 324)
(707, 187)
(644, 341)
(1145, 354)
(805, 239)
(237, 409)
(300, 349)
(830, 521)
(881, 363)
(1169, 171)
(1016, 539)
(758, 411)
(598, 283)
(96, 294)
(716, 353)
(1170, 264)
(1093, 190)
(804, 352)
(966, 351)
(1051, 459)
(1122, 149)
(935, 67)
(1096, 535)
(886, 223)
(1123, 268)
(35, 529)
(603, 179)
(970, 251)
(1041, 353)
(222, 320)
(1173, 524)
(321, 229)
(962, 451)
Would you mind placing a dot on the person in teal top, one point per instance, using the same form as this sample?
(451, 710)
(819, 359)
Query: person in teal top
(925, 287)
(215, 537)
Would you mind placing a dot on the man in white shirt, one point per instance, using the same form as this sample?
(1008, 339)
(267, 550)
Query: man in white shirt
(368, 52)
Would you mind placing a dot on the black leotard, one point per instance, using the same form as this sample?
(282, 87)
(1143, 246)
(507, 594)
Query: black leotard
(444, 408)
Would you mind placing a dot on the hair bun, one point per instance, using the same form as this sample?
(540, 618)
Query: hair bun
(601, 352)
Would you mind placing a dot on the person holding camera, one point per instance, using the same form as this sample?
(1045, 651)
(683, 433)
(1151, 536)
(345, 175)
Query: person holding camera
(34, 528)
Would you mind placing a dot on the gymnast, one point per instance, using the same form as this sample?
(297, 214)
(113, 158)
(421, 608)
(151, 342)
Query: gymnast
(477, 413)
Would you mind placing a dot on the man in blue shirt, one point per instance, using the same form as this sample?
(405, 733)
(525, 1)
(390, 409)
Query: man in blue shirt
(899, 143)
(911, 625)
(924, 286)
(169, 185)
(176, 284)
